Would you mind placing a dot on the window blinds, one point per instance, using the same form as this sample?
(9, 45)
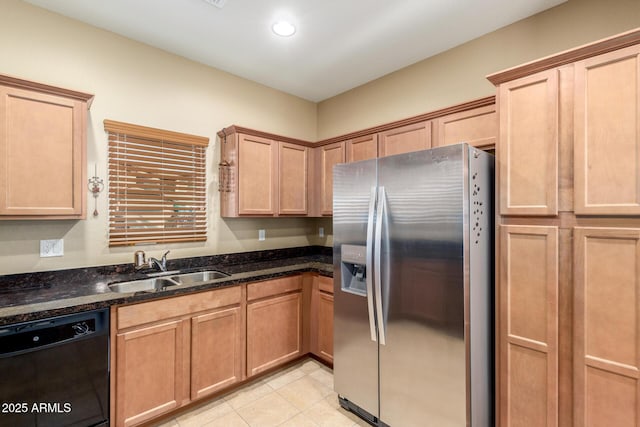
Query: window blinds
(157, 185)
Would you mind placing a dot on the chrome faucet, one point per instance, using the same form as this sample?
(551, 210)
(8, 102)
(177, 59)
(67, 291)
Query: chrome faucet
(161, 264)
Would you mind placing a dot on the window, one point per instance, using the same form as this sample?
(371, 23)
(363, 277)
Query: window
(157, 188)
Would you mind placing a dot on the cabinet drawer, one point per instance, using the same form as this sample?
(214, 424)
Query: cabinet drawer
(138, 314)
(273, 287)
(325, 284)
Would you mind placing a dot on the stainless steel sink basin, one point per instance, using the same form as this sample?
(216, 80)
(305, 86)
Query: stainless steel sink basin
(161, 283)
(144, 285)
(198, 277)
(163, 273)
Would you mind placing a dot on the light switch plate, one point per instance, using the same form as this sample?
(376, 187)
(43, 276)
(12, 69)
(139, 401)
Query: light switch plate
(49, 248)
(261, 235)
(321, 231)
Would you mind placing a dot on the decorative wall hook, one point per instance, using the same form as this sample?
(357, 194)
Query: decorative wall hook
(96, 185)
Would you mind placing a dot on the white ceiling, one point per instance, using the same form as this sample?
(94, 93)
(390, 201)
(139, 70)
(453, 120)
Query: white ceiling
(339, 44)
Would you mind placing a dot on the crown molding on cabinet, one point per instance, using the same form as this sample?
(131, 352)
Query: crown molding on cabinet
(239, 129)
(579, 53)
(43, 88)
(481, 102)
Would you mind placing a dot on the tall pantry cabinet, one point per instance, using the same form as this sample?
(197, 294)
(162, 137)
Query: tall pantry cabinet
(568, 242)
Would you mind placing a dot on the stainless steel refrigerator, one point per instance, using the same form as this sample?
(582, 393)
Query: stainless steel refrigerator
(413, 243)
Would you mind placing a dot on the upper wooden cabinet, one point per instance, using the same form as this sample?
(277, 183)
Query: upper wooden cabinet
(257, 175)
(477, 127)
(264, 177)
(362, 148)
(263, 174)
(42, 151)
(328, 157)
(292, 179)
(405, 139)
(528, 154)
(607, 134)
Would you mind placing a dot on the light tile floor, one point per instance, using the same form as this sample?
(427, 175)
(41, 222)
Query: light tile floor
(299, 396)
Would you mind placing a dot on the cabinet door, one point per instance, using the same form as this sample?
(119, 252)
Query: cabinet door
(405, 139)
(274, 332)
(149, 372)
(325, 326)
(321, 318)
(42, 155)
(216, 351)
(528, 330)
(293, 179)
(330, 155)
(257, 177)
(477, 127)
(362, 148)
(528, 149)
(607, 134)
(606, 326)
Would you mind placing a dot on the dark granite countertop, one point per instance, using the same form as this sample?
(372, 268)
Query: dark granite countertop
(33, 296)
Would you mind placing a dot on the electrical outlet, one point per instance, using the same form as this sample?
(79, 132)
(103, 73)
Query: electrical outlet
(321, 231)
(261, 235)
(49, 248)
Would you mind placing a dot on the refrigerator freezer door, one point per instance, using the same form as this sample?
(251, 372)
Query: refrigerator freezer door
(355, 349)
(422, 364)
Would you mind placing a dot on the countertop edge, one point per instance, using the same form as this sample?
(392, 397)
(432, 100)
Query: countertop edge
(60, 307)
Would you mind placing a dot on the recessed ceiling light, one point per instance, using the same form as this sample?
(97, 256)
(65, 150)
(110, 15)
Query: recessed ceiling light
(283, 28)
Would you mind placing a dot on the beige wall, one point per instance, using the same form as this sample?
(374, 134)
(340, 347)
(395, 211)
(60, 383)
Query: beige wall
(135, 83)
(458, 75)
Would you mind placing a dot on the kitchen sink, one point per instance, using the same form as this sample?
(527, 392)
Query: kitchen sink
(163, 273)
(144, 285)
(198, 277)
(162, 283)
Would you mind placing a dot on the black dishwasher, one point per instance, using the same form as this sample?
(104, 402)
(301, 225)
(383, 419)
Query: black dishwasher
(55, 372)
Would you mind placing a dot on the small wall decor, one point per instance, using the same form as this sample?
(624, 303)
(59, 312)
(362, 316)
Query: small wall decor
(224, 172)
(96, 185)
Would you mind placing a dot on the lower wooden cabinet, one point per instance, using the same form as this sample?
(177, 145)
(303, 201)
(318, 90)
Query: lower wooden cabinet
(274, 323)
(321, 325)
(216, 350)
(606, 326)
(148, 379)
(528, 334)
(172, 351)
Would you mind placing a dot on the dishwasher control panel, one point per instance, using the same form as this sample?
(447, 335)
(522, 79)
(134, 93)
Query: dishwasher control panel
(28, 336)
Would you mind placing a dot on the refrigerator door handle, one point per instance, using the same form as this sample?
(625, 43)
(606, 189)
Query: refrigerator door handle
(369, 265)
(377, 264)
